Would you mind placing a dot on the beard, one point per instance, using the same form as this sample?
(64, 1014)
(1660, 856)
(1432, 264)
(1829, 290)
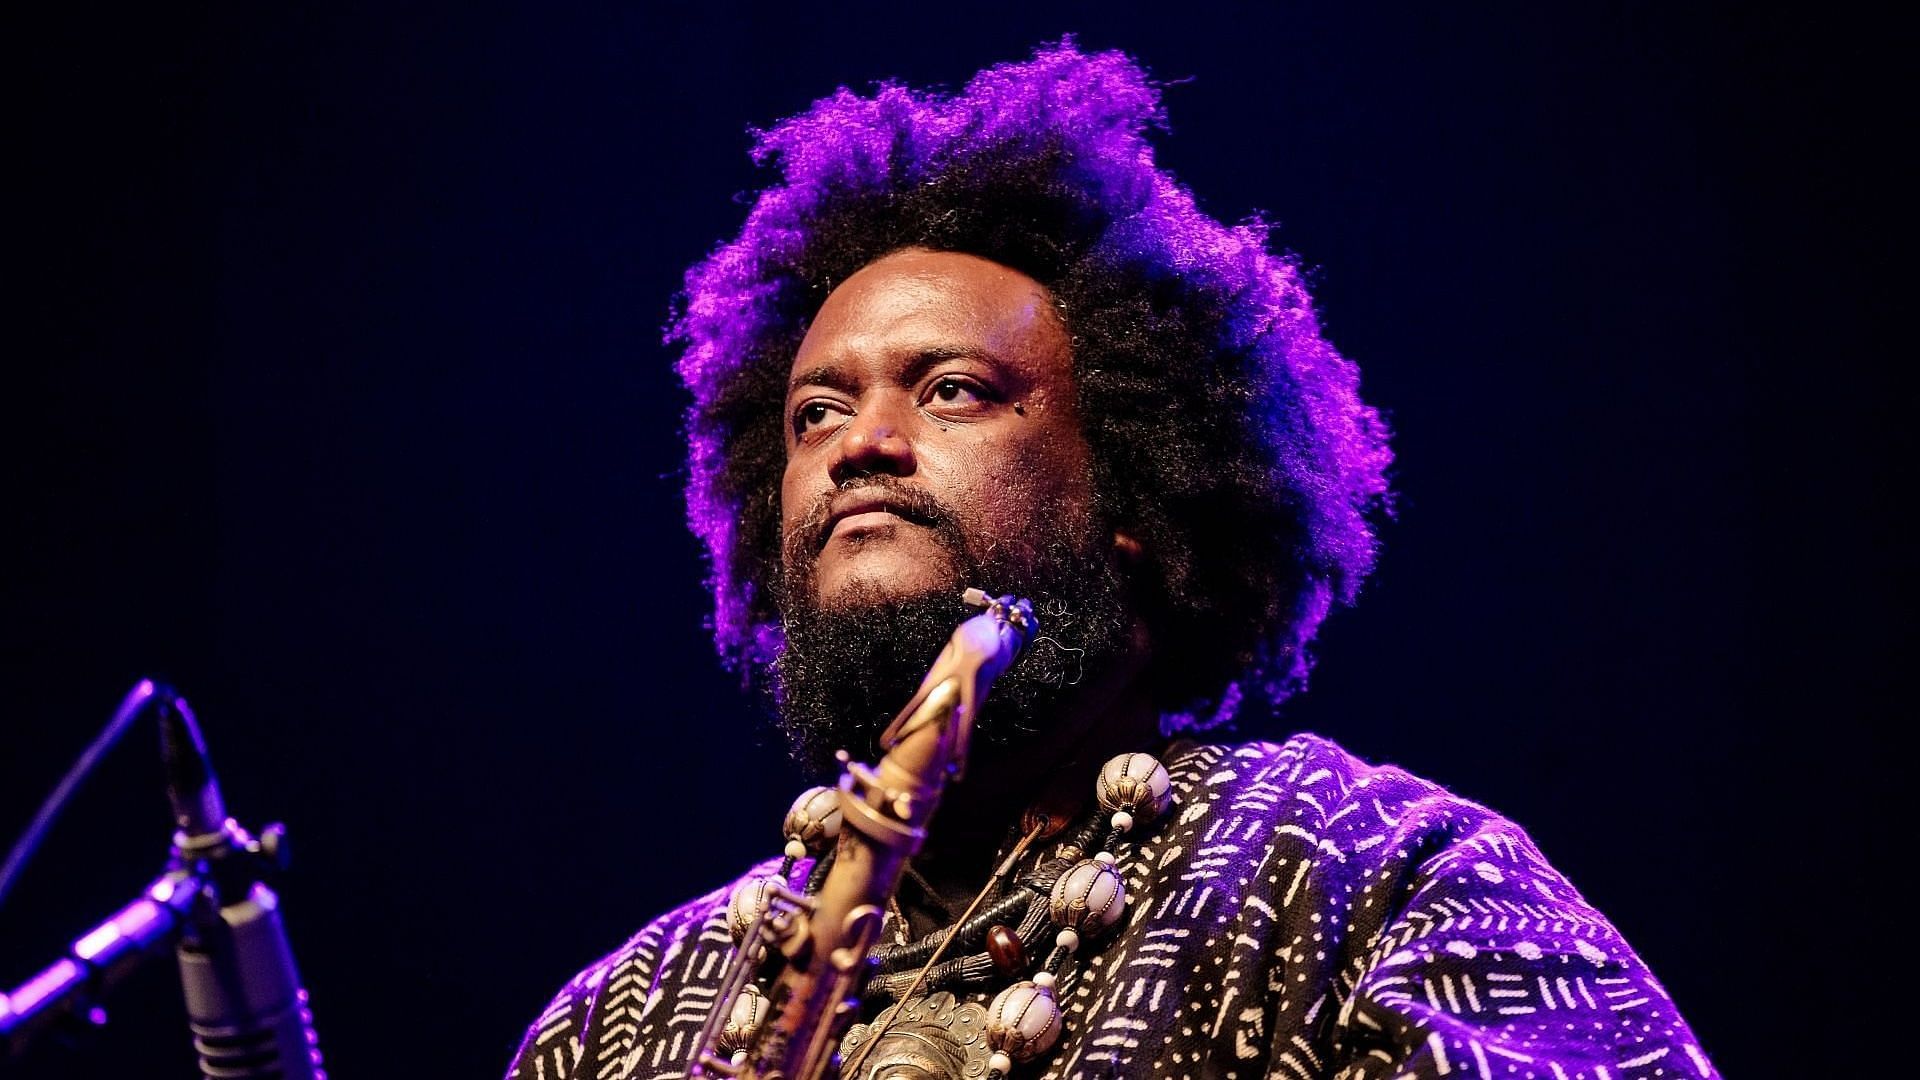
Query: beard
(847, 668)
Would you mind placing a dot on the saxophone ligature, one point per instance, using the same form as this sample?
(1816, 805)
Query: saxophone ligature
(816, 942)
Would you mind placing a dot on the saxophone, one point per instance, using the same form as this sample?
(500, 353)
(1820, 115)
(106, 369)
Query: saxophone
(820, 942)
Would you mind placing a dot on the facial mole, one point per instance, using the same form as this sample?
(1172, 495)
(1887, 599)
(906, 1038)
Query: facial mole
(1019, 409)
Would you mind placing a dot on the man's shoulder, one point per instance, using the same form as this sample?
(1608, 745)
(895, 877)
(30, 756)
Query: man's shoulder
(656, 943)
(1310, 786)
(607, 1004)
(1303, 762)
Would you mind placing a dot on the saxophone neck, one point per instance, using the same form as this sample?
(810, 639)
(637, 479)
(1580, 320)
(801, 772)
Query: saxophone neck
(981, 649)
(930, 746)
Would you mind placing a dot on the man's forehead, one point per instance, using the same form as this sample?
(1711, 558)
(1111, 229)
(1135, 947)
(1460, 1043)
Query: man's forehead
(916, 304)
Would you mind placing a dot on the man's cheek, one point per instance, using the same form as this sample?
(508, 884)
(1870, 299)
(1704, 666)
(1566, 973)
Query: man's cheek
(1021, 495)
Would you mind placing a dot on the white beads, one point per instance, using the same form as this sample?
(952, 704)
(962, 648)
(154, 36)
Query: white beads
(750, 898)
(1104, 858)
(1088, 896)
(1122, 821)
(749, 1009)
(1000, 1063)
(1137, 784)
(795, 850)
(1044, 979)
(814, 820)
(1067, 939)
(1023, 1022)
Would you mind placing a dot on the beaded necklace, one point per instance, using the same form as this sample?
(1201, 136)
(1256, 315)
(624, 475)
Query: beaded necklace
(929, 1031)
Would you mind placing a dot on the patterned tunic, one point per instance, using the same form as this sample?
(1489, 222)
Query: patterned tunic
(1297, 913)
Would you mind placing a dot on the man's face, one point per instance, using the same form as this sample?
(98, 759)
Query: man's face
(932, 445)
(931, 401)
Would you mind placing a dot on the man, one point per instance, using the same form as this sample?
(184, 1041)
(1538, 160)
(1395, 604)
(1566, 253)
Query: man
(981, 339)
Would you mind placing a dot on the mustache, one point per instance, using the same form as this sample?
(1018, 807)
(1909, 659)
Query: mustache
(809, 534)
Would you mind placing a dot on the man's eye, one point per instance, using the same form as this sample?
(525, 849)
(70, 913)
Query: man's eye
(954, 392)
(814, 414)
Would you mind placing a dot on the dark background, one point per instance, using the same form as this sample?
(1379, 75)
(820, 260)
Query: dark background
(335, 396)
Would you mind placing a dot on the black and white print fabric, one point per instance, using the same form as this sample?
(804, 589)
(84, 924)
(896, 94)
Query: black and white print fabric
(1298, 914)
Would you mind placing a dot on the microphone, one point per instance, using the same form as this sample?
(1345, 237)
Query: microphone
(245, 1005)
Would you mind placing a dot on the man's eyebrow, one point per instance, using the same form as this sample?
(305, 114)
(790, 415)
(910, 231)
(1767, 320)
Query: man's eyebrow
(823, 375)
(835, 377)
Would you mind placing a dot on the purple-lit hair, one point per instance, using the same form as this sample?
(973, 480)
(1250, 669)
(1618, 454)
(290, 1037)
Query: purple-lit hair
(1228, 436)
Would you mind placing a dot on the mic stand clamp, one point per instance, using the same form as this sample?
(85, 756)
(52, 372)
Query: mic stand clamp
(245, 1005)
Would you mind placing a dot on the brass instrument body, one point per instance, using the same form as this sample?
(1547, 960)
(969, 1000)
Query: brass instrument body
(824, 939)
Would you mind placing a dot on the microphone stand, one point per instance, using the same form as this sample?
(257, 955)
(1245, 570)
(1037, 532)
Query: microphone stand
(101, 958)
(213, 906)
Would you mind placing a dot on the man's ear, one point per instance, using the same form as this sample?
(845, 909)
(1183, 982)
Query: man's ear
(1131, 552)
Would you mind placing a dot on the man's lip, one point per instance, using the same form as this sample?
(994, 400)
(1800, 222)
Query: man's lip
(875, 511)
(862, 519)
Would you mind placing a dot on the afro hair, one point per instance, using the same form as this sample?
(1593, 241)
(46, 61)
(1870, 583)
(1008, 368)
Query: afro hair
(1228, 435)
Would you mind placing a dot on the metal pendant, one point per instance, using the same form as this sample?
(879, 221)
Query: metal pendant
(936, 1037)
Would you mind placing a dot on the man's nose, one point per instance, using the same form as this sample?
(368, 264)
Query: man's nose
(874, 441)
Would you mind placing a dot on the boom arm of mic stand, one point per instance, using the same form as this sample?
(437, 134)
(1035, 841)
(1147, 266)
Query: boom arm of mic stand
(103, 956)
